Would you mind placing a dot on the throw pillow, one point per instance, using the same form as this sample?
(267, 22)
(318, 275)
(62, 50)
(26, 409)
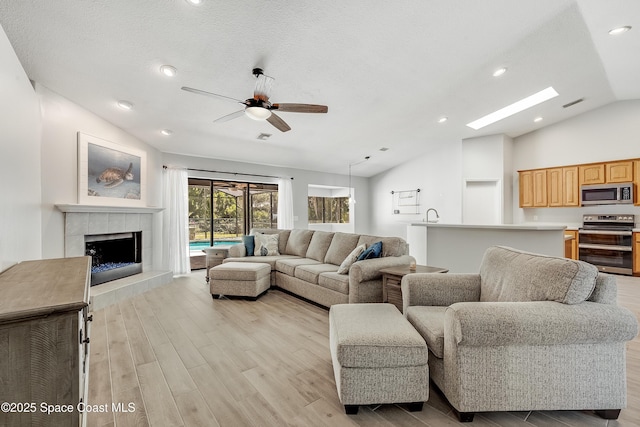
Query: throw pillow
(373, 251)
(266, 244)
(249, 244)
(350, 259)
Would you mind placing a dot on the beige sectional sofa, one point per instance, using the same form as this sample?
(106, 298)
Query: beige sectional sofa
(308, 262)
(529, 332)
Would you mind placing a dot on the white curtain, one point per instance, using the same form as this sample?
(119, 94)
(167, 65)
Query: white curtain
(176, 221)
(285, 204)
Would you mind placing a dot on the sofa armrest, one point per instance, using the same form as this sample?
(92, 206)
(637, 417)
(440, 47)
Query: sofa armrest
(369, 269)
(538, 323)
(439, 289)
(237, 251)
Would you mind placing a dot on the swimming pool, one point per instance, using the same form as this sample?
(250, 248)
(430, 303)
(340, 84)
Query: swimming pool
(202, 245)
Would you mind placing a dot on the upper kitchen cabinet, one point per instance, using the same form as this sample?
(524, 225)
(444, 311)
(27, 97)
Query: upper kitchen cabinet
(540, 188)
(570, 186)
(619, 171)
(526, 189)
(636, 181)
(555, 193)
(592, 174)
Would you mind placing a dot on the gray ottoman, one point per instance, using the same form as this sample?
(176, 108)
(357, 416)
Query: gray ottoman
(378, 357)
(242, 279)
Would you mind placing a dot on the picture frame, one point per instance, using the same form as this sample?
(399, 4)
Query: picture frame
(110, 174)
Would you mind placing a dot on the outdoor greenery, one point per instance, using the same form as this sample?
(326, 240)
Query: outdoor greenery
(229, 210)
(328, 209)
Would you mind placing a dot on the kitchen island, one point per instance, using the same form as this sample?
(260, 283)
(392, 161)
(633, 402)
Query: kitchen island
(460, 247)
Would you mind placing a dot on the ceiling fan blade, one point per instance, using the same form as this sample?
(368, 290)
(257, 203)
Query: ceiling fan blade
(214, 95)
(228, 117)
(278, 122)
(300, 108)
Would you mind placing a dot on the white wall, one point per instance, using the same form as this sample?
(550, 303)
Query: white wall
(300, 184)
(437, 175)
(611, 132)
(20, 229)
(61, 121)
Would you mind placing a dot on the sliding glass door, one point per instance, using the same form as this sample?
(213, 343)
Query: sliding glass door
(226, 210)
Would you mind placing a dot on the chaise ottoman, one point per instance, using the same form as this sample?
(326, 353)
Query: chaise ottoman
(378, 357)
(242, 279)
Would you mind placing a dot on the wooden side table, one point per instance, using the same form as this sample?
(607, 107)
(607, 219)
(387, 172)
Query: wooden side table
(215, 256)
(392, 276)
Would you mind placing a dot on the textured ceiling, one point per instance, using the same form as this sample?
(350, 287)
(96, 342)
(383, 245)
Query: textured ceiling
(387, 70)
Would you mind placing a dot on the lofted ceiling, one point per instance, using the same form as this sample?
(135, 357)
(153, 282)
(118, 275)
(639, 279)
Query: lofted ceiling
(387, 70)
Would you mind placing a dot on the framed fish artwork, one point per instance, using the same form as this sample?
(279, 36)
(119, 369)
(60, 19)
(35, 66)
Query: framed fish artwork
(110, 174)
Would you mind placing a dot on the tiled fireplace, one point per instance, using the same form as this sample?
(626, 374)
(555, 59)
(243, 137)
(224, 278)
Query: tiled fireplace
(83, 223)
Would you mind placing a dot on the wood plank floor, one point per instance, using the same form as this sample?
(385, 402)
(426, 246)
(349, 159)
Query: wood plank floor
(183, 359)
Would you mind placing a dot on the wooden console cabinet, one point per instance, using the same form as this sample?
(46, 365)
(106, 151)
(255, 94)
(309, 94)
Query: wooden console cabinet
(44, 342)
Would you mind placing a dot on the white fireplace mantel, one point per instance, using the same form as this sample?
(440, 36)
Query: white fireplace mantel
(106, 209)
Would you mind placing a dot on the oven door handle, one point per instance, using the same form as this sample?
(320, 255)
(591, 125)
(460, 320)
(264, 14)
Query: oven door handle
(605, 247)
(606, 232)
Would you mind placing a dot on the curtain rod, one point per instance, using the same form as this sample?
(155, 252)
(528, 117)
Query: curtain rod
(234, 173)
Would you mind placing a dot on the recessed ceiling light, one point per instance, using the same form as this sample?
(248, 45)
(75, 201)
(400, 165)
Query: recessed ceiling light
(516, 107)
(537, 119)
(125, 105)
(168, 70)
(196, 2)
(166, 132)
(443, 119)
(619, 30)
(499, 72)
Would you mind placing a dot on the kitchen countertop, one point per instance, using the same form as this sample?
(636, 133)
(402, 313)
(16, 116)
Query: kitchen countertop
(493, 226)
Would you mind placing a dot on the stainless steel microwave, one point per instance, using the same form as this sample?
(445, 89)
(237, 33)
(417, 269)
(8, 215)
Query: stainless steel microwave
(607, 194)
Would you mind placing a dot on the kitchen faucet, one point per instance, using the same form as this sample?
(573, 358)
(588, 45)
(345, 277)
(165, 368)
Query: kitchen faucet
(427, 215)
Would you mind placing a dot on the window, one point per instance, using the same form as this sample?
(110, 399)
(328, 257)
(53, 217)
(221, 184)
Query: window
(218, 209)
(328, 210)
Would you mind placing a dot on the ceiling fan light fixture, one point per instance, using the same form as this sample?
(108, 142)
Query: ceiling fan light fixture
(257, 113)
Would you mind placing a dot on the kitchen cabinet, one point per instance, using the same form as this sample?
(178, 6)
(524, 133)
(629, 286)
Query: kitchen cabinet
(619, 171)
(636, 254)
(540, 188)
(571, 244)
(592, 174)
(570, 186)
(526, 189)
(636, 181)
(555, 193)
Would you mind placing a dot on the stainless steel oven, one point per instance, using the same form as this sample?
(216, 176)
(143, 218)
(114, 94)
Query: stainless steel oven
(606, 241)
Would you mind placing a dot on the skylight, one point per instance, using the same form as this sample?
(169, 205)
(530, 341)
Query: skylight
(516, 107)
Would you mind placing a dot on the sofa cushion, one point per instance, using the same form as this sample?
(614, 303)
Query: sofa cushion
(288, 265)
(429, 322)
(320, 242)
(271, 260)
(298, 242)
(391, 246)
(310, 273)
(266, 244)
(334, 281)
(350, 259)
(508, 274)
(341, 245)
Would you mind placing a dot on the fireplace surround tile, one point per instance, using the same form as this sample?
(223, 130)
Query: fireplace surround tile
(116, 222)
(77, 224)
(99, 223)
(132, 222)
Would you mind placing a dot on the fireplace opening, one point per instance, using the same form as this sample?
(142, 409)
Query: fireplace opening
(114, 256)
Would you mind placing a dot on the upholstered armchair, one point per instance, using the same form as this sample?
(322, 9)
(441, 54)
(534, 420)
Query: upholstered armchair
(529, 332)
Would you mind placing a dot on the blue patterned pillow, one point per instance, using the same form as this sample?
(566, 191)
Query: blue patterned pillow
(373, 251)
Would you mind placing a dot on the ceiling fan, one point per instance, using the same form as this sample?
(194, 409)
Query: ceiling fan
(259, 107)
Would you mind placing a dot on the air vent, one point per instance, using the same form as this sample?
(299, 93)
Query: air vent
(571, 104)
(384, 149)
(264, 136)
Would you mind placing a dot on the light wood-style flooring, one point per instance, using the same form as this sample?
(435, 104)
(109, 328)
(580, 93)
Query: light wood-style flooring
(184, 359)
